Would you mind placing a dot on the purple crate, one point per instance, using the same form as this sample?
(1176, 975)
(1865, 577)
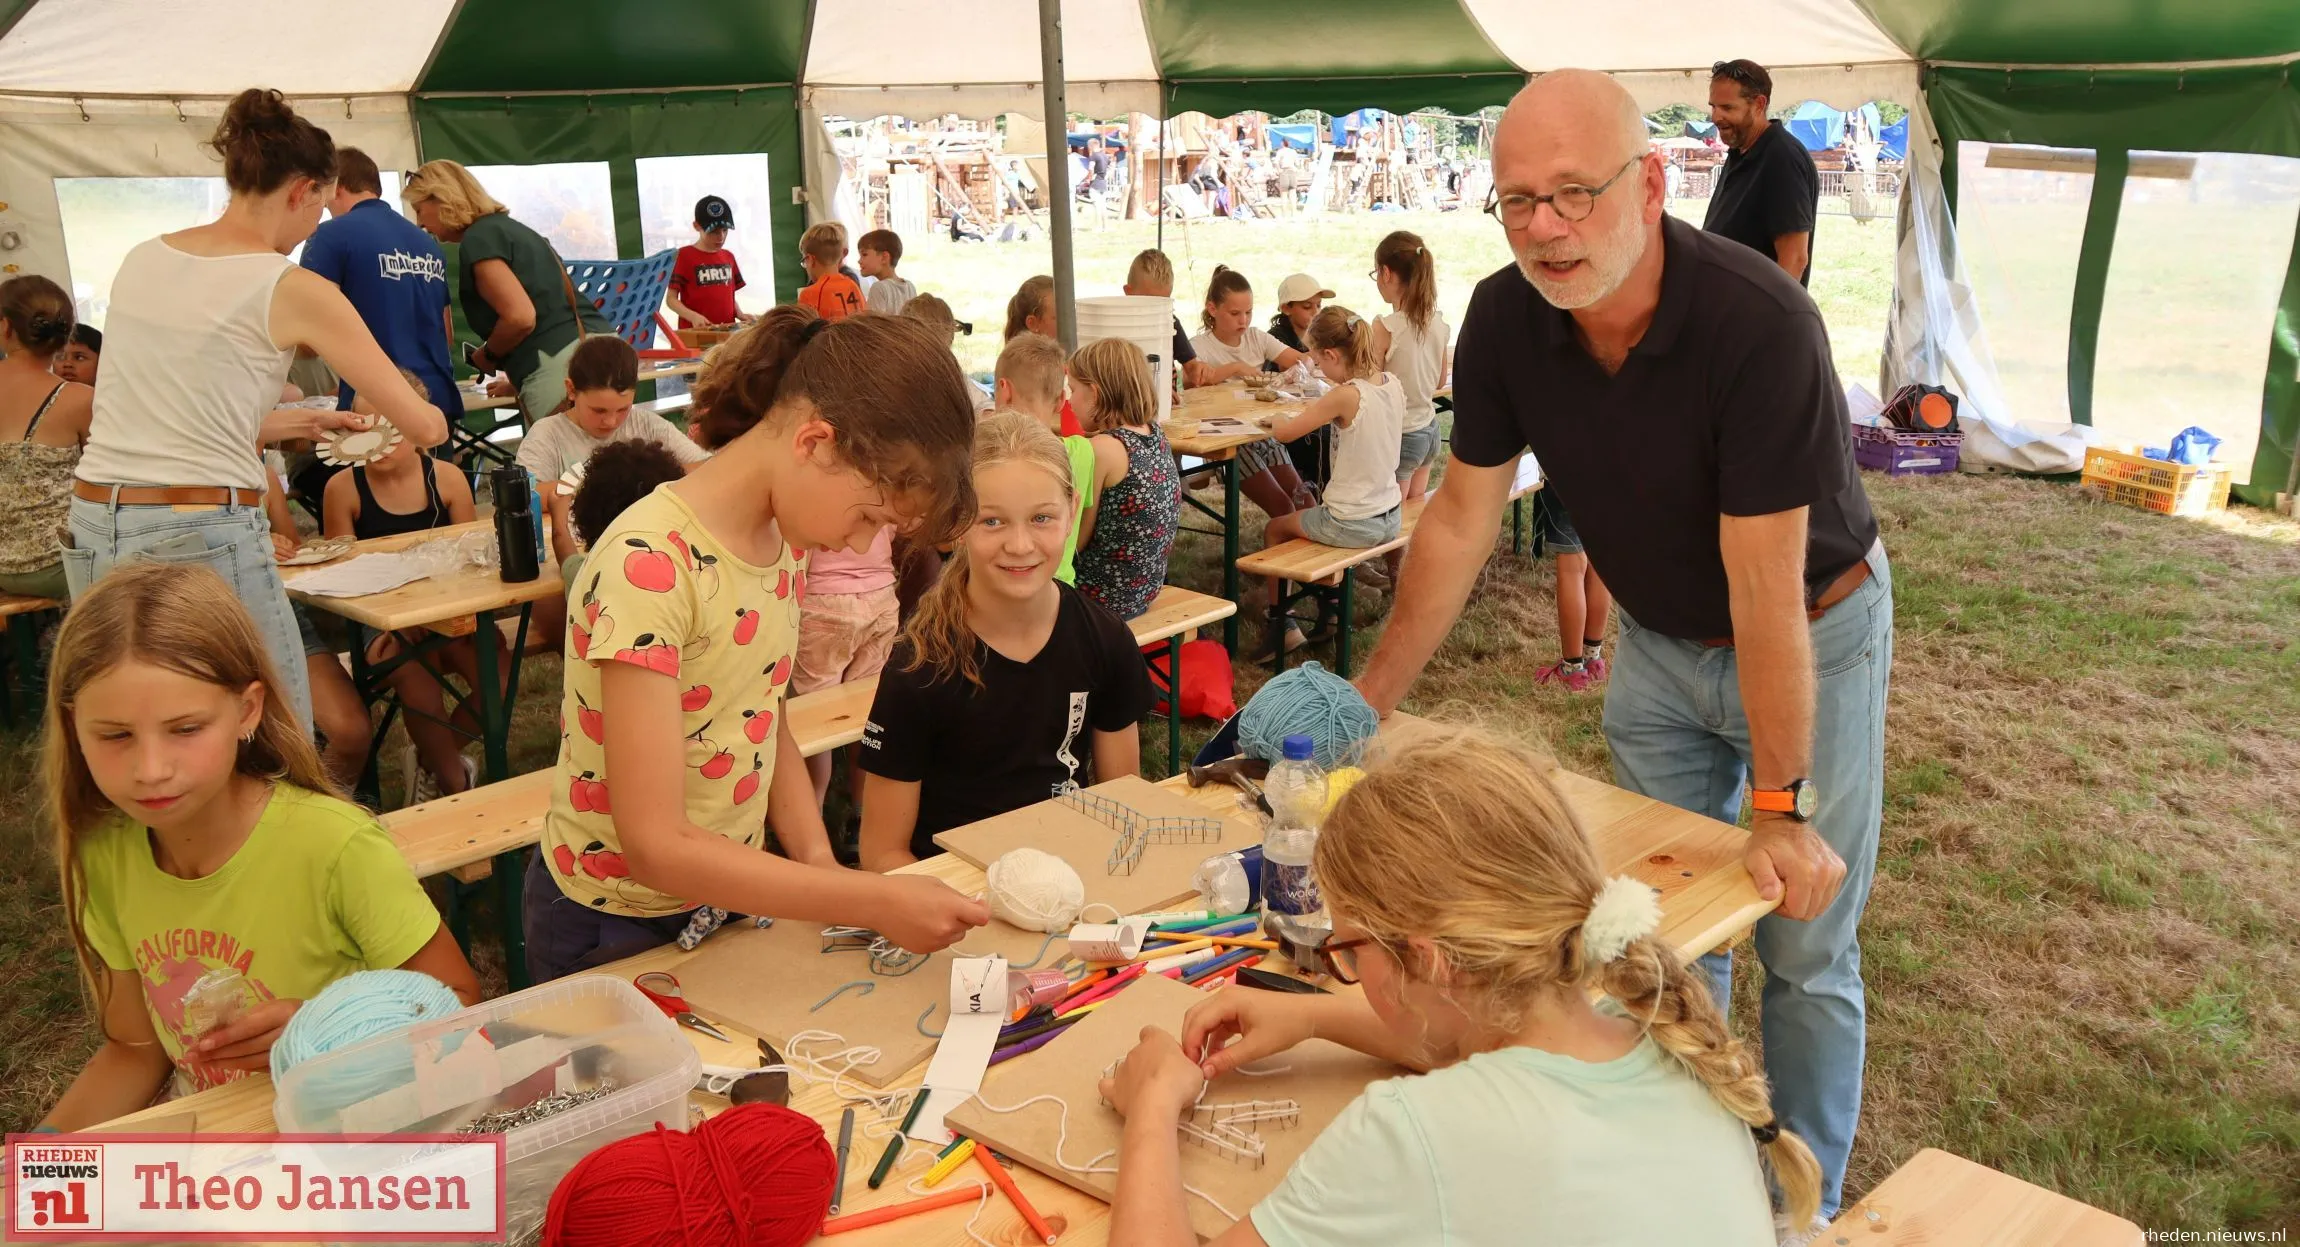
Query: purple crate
(1905, 460)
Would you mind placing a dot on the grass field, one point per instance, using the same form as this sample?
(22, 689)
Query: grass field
(2081, 951)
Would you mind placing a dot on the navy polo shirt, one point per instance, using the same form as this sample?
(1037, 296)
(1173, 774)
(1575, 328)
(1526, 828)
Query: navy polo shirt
(1767, 191)
(396, 279)
(1729, 405)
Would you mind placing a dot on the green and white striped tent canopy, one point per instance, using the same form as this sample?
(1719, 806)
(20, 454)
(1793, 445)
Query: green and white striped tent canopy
(128, 88)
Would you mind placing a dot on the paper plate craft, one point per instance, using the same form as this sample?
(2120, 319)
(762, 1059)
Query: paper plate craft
(319, 550)
(346, 448)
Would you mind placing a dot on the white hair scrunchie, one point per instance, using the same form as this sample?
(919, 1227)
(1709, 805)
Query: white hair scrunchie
(1624, 912)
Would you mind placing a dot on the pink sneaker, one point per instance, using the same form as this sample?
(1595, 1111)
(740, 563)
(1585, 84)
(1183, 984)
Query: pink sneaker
(1598, 669)
(1557, 673)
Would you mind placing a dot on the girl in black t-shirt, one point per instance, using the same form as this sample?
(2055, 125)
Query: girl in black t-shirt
(1007, 687)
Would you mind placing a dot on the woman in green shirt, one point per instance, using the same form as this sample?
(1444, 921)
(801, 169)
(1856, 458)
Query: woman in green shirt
(513, 286)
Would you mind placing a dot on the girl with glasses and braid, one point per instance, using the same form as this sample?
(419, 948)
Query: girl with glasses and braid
(1569, 1065)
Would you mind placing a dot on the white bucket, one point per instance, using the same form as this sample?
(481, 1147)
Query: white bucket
(1147, 321)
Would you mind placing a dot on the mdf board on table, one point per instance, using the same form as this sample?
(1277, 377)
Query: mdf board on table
(1159, 880)
(1323, 1077)
(767, 981)
(1938, 1199)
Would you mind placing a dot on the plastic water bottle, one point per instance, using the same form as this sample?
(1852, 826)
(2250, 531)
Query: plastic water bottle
(1297, 792)
(1230, 883)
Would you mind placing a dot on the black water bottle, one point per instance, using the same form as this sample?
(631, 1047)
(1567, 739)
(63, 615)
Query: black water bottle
(515, 522)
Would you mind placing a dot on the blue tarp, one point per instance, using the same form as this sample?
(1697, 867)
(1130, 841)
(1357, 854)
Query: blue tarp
(1896, 139)
(1302, 138)
(1820, 127)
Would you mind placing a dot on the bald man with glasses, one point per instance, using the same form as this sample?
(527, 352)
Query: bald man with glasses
(1678, 392)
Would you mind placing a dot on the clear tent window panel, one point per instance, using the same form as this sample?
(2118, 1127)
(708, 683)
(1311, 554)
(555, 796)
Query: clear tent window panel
(2020, 219)
(570, 204)
(669, 187)
(105, 218)
(2184, 328)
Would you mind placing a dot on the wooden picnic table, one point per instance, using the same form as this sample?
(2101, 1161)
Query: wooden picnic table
(1220, 452)
(1707, 900)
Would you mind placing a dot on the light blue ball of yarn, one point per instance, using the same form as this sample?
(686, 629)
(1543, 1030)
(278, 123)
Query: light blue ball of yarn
(1309, 701)
(357, 1007)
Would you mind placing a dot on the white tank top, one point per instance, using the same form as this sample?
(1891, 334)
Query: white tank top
(1417, 357)
(1365, 479)
(189, 370)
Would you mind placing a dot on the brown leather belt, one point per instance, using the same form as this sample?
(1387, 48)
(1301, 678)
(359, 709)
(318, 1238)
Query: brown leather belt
(168, 495)
(1837, 591)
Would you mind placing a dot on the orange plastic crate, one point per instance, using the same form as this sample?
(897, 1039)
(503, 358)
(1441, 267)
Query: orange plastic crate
(2154, 485)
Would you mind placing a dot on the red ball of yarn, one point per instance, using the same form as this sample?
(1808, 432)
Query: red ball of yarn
(757, 1175)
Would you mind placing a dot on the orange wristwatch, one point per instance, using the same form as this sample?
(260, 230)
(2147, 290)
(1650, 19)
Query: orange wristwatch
(1800, 800)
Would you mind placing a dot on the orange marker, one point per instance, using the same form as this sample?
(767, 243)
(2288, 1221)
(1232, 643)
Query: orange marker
(892, 1212)
(1005, 1183)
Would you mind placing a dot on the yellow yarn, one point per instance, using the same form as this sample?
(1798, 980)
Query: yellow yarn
(1339, 781)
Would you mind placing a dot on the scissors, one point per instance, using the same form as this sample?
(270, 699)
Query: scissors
(663, 989)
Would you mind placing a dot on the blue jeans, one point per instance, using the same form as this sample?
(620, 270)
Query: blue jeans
(1674, 722)
(232, 541)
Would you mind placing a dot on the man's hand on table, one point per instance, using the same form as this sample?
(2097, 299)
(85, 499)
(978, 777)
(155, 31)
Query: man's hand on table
(1791, 863)
(245, 1043)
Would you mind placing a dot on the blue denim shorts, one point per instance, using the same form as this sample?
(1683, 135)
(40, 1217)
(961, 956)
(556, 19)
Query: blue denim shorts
(1319, 525)
(1417, 450)
(232, 541)
(1557, 532)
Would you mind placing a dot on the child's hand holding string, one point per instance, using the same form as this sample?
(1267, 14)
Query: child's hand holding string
(924, 914)
(1157, 1080)
(1262, 1023)
(244, 1043)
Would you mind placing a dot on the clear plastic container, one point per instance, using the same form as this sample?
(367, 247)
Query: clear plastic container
(1297, 792)
(571, 1035)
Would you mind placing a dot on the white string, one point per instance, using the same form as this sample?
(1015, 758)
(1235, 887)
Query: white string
(916, 1186)
(819, 1070)
(1093, 1163)
(1263, 1073)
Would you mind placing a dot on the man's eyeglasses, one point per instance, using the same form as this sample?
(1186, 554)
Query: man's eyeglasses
(1736, 71)
(1340, 957)
(1570, 202)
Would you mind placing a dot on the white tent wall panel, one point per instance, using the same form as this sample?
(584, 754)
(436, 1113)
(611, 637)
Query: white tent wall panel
(899, 43)
(42, 140)
(1682, 34)
(220, 47)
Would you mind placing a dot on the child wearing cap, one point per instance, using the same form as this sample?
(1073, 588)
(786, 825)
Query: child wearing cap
(876, 254)
(705, 277)
(1300, 298)
(831, 294)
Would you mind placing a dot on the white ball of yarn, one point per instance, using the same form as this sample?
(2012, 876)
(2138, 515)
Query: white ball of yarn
(1035, 890)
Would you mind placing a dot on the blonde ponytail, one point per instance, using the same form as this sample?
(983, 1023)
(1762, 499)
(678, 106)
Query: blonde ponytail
(1675, 1007)
(941, 639)
(1461, 840)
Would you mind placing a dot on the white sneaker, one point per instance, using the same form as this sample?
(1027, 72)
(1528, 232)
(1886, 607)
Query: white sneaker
(1783, 1236)
(422, 787)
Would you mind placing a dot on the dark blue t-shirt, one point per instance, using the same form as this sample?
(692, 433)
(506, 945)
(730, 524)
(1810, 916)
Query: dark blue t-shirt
(395, 277)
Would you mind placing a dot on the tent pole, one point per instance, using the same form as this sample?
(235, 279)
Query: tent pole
(1160, 206)
(1058, 171)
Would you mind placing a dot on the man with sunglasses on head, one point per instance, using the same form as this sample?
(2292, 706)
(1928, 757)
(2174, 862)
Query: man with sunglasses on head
(1768, 193)
(1678, 392)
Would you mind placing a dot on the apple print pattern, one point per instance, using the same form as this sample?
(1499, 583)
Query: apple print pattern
(663, 594)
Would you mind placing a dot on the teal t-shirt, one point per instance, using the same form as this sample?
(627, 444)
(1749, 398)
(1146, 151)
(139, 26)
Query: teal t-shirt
(530, 257)
(1082, 483)
(1524, 1147)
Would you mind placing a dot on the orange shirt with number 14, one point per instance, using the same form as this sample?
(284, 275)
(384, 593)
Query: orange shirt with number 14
(835, 297)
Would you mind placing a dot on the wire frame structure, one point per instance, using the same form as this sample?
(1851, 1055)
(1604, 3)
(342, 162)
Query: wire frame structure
(887, 959)
(1138, 831)
(1232, 1129)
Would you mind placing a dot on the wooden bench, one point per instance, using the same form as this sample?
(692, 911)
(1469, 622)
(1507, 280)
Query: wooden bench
(1941, 1200)
(1318, 567)
(22, 614)
(485, 831)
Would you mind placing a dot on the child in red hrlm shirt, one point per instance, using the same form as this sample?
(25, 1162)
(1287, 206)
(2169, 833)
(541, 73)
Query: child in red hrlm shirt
(705, 277)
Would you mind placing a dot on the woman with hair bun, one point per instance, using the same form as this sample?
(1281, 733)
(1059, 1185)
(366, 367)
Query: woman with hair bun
(43, 421)
(203, 326)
